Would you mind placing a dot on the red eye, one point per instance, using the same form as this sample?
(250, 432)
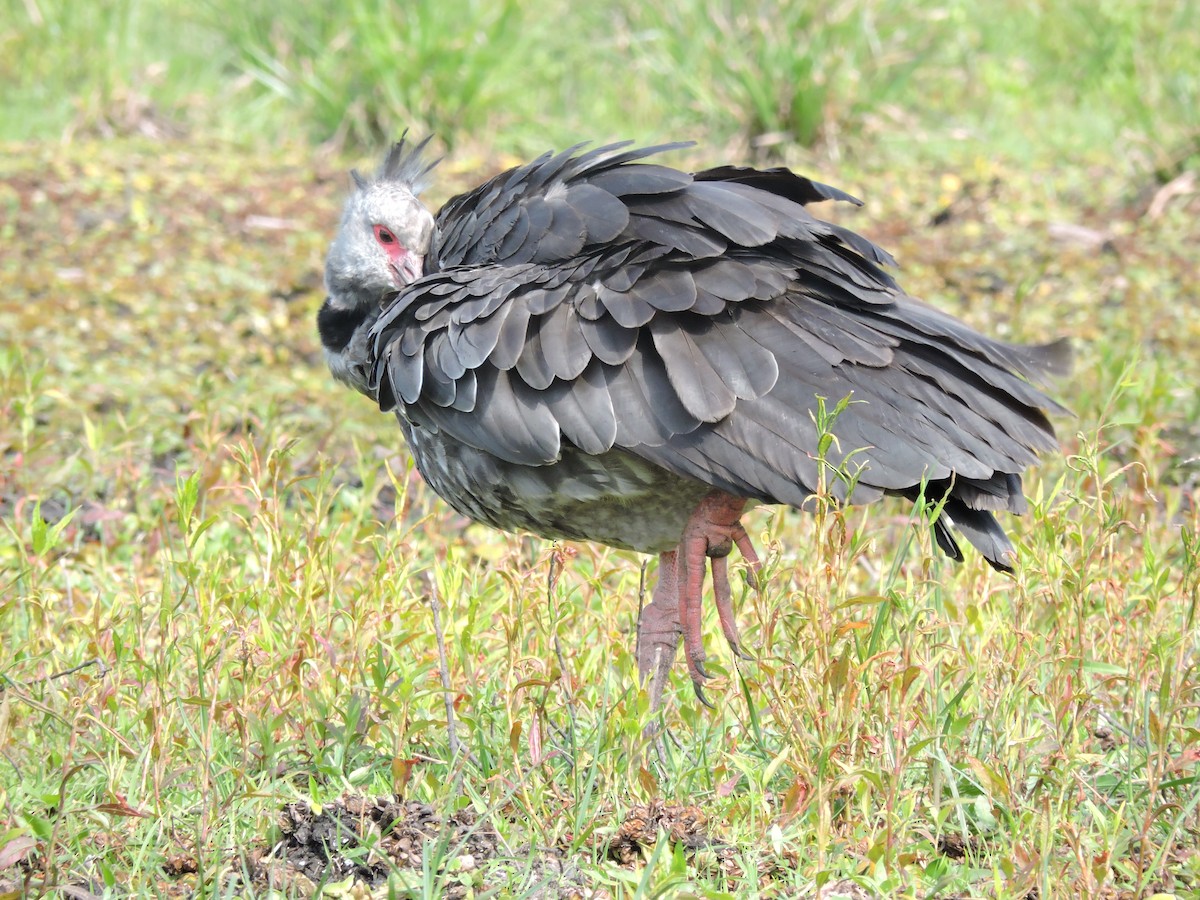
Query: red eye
(384, 236)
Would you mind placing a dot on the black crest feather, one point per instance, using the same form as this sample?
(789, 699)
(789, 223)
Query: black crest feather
(407, 164)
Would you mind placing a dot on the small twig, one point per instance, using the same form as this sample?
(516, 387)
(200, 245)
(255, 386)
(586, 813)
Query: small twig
(422, 757)
(16, 768)
(556, 567)
(637, 632)
(83, 665)
(97, 661)
(443, 665)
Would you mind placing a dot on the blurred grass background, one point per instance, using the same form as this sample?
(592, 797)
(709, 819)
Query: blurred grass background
(216, 566)
(1029, 79)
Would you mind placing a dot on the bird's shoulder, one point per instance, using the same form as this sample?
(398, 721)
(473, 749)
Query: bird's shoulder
(550, 209)
(562, 205)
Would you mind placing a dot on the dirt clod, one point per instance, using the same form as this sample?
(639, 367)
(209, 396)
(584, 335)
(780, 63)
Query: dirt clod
(1104, 735)
(363, 839)
(180, 864)
(952, 846)
(684, 825)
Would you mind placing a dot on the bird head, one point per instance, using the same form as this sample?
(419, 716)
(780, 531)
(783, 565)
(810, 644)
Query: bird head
(380, 249)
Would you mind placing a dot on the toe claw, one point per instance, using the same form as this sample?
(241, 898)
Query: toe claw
(739, 652)
(699, 673)
(699, 688)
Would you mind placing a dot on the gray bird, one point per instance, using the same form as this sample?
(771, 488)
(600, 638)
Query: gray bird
(595, 347)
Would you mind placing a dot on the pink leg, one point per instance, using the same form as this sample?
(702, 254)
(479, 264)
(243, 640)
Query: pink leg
(711, 531)
(658, 630)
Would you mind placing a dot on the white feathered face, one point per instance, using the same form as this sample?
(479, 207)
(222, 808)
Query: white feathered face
(381, 244)
(380, 248)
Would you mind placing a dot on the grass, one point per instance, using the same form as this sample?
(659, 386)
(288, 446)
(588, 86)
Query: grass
(1029, 80)
(346, 76)
(219, 575)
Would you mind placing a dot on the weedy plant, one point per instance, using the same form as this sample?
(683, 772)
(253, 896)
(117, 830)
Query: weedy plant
(437, 67)
(781, 73)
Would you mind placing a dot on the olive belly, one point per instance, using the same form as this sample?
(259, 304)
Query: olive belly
(613, 498)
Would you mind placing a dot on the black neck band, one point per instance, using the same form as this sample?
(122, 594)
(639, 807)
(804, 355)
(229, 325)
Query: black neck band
(337, 326)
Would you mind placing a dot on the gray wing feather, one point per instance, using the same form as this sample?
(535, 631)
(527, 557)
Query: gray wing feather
(628, 309)
(466, 392)
(725, 278)
(610, 342)
(583, 409)
(604, 216)
(624, 181)
(724, 209)
(566, 350)
(475, 339)
(511, 339)
(694, 379)
(532, 365)
(564, 236)
(507, 421)
(518, 234)
(748, 368)
(667, 290)
(643, 386)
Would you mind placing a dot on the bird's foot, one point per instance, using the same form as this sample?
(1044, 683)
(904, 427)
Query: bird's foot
(712, 530)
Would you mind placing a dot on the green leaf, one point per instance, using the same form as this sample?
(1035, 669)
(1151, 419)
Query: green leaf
(44, 537)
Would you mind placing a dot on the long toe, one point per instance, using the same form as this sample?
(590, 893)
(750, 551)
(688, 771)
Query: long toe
(691, 590)
(724, 598)
(712, 530)
(746, 548)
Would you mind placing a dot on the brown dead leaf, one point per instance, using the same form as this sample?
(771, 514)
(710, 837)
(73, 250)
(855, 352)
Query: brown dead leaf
(1072, 234)
(845, 890)
(727, 787)
(121, 807)
(15, 850)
